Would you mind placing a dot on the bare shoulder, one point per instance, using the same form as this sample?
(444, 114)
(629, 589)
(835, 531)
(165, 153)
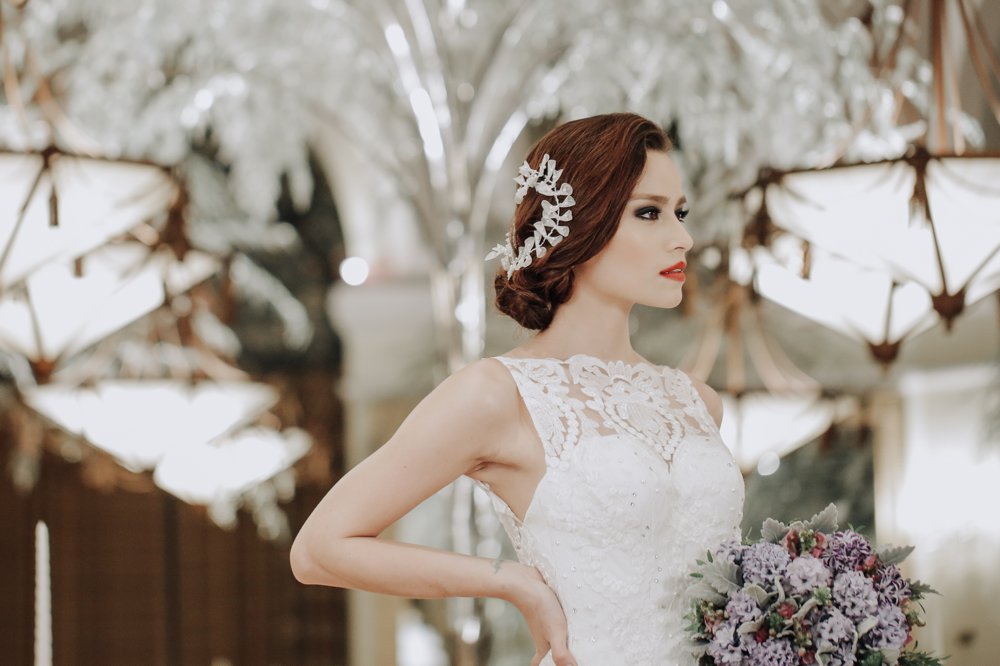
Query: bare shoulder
(480, 401)
(484, 385)
(712, 400)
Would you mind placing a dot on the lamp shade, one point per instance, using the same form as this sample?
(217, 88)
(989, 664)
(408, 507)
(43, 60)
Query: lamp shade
(759, 423)
(219, 471)
(55, 206)
(59, 310)
(934, 221)
(138, 421)
(864, 304)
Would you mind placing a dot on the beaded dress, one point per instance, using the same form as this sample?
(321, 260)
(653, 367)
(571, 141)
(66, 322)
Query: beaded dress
(638, 485)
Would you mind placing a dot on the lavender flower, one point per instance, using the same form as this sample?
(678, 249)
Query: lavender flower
(854, 595)
(891, 586)
(730, 551)
(843, 658)
(805, 574)
(764, 563)
(741, 608)
(772, 652)
(724, 647)
(846, 551)
(891, 630)
(835, 631)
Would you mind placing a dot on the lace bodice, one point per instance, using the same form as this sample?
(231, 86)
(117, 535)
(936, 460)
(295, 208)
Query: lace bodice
(638, 484)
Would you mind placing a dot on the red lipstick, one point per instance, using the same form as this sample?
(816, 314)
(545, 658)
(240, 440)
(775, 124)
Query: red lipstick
(675, 272)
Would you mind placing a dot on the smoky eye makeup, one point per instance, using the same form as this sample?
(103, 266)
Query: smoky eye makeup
(648, 212)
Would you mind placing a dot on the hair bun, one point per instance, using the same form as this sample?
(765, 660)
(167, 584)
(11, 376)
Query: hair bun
(529, 299)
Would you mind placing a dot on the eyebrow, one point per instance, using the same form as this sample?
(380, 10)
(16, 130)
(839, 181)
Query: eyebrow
(658, 199)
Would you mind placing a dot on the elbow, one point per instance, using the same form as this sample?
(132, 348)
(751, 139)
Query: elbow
(304, 565)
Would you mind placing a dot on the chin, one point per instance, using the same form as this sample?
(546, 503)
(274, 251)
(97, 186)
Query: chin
(663, 301)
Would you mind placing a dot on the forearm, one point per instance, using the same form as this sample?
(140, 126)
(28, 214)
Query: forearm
(408, 570)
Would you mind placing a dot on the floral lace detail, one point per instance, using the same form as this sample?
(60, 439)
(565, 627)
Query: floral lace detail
(638, 484)
(585, 396)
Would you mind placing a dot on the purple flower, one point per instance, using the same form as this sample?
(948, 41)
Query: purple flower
(724, 647)
(764, 563)
(834, 631)
(805, 574)
(741, 608)
(730, 551)
(847, 551)
(891, 630)
(854, 595)
(892, 588)
(772, 652)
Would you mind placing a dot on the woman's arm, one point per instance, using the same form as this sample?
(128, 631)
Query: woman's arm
(455, 429)
(451, 431)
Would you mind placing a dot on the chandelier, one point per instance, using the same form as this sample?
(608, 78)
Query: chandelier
(927, 220)
(58, 206)
(65, 307)
(771, 406)
(866, 304)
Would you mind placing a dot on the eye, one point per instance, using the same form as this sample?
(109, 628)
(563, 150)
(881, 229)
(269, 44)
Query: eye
(648, 213)
(682, 213)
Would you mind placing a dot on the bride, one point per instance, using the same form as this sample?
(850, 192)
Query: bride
(607, 471)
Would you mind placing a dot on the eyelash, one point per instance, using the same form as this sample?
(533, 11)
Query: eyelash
(681, 213)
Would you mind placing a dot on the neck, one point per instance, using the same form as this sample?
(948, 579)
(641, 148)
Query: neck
(587, 324)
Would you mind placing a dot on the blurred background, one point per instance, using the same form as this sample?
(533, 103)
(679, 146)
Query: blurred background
(239, 241)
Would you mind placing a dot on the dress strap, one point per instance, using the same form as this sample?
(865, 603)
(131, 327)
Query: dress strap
(544, 388)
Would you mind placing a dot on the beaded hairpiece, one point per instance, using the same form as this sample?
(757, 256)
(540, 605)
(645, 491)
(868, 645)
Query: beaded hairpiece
(545, 181)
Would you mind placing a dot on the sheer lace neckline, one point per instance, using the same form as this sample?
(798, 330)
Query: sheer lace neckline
(630, 365)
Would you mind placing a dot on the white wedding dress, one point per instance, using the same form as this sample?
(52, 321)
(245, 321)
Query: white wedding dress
(638, 485)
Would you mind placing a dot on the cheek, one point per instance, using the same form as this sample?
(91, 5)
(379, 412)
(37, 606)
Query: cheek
(630, 245)
(624, 257)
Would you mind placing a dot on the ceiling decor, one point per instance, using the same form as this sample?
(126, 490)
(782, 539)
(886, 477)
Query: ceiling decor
(760, 428)
(65, 307)
(867, 305)
(931, 220)
(771, 406)
(216, 473)
(928, 217)
(56, 206)
(138, 421)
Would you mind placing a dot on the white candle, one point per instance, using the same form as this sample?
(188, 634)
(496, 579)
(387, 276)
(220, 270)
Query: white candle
(43, 597)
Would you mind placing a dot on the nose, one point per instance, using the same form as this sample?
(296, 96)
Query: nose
(680, 239)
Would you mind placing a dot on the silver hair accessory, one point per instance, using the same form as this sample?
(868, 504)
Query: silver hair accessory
(545, 181)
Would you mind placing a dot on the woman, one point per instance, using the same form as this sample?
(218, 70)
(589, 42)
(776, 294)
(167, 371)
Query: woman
(607, 471)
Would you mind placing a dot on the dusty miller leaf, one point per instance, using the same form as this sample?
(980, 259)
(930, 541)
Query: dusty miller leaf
(773, 531)
(758, 593)
(894, 554)
(722, 576)
(825, 520)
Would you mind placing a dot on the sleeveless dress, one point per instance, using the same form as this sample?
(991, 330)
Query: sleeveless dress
(638, 485)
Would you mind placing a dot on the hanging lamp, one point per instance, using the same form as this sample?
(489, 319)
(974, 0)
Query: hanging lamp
(929, 217)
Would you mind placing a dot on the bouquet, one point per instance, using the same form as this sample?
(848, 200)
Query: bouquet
(806, 593)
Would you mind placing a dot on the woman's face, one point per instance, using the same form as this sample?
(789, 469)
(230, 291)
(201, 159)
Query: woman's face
(650, 240)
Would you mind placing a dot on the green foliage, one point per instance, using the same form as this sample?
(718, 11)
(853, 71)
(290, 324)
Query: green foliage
(920, 590)
(894, 554)
(871, 659)
(825, 520)
(920, 658)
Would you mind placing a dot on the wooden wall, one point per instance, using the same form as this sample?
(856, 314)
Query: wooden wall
(143, 578)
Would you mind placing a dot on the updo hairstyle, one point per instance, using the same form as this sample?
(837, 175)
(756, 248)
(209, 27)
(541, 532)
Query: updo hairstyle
(602, 158)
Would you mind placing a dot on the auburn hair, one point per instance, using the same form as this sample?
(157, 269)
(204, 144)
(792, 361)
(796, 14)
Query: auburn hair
(602, 157)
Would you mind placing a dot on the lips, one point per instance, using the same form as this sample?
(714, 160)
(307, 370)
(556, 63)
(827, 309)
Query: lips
(675, 272)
